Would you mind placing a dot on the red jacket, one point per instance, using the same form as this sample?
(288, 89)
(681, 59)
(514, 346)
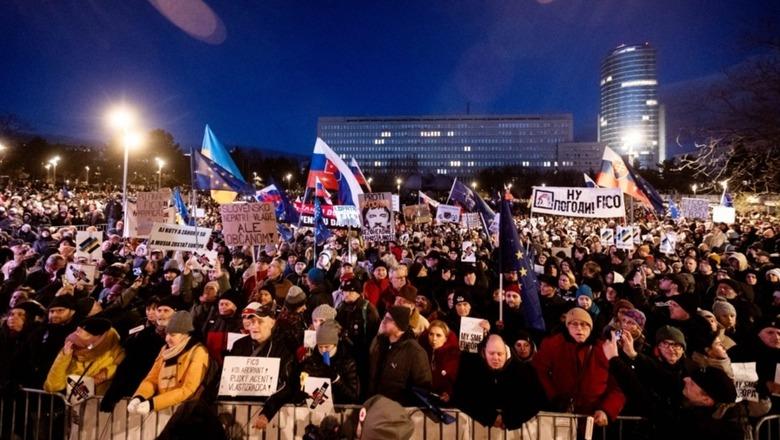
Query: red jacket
(374, 288)
(577, 375)
(444, 363)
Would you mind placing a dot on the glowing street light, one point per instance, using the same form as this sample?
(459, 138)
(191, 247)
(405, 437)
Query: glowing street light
(474, 184)
(398, 185)
(724, 184)
(123, 120)
(86, 170)
(694, 187)
(288, 177)
(48, 167)
(54, 161)
(160, 164)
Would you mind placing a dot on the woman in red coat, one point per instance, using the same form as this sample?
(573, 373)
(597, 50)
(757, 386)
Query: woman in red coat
(442, 347)
(374, 287)
(575, 373)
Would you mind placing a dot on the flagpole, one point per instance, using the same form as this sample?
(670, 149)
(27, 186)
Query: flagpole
(449, 196)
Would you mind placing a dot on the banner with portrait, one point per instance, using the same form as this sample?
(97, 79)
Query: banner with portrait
(376, 215)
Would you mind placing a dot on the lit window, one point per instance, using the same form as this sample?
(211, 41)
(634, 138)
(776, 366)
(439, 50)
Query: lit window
(645, 117)
(651, 102)
(639, 82)
(467, 148)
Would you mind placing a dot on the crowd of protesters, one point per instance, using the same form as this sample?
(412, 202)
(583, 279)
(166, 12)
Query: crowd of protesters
(627, 332)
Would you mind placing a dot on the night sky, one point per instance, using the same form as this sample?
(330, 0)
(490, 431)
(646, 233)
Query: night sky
(261, 72)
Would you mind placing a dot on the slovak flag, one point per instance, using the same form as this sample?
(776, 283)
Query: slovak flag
(334, 174)
(361, 179)
(615, 173)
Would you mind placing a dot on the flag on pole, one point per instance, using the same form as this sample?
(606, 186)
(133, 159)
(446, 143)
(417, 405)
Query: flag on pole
(321, 232)
(512, 258)
(275, 194)
(361, 179)
(181, 207)
(616, 173)
(590, 183)
(428, 199)
(725, 198)
(470, 201)
(674, 212)
(216, 151)
(208, 175)
(334, 175)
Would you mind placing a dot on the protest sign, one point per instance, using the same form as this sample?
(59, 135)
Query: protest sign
(417, 214)
(471, 334)
(232, 338)
(249, 224)
(668, 243)
(447, 214)
(724, 214)
(249, 376)
(150, 208)
(75, 272)
(578, 202)
(377, 216)
(745, 380)
(88, 245)
(637, 233)
(467, 254)
(178, 237)
(319, 394)
(470, 220)
(396, 203)
(310, 338)
(555, 251)
(347, 216)
(79, 387)
(624, 237)
(695, 208)
(607, 236)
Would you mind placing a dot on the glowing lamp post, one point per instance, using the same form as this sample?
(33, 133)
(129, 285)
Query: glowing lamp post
(160, 164)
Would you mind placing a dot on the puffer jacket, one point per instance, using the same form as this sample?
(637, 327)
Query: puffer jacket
(191, 366)
(107, 359)
(398, 367)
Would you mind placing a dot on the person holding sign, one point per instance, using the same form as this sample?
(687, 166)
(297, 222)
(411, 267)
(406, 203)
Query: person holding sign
(263, 341)
(497, 390)
(333, 362)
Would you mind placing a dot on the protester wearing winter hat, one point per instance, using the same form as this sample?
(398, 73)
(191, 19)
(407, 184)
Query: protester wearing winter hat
(15, 333)
(398, 363)
(571, 385)
(291, 323)
(332, 362)
(319, 291)
(47, 341)
(322, 313)
(93, 350)
(227, 320)
(384, 419)
(360, 321)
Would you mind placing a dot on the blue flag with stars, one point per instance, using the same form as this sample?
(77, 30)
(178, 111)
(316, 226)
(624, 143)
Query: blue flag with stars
(512, 257)
(181, 207)
(321, 232)
(208, 175)
(674, 212)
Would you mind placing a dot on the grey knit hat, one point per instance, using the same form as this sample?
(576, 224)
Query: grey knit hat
(180, 322)
(295, 297)
(721, 308)
(324, 312)
(328, 333)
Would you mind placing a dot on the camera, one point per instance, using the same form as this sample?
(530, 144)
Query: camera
(618, 335)
(137, 271)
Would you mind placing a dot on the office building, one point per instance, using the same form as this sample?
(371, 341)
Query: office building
(630, 118)
(580, 156)
(458, 146)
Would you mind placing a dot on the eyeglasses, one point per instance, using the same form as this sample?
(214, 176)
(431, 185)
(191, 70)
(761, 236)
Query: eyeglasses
(579, 324)
(672, 345)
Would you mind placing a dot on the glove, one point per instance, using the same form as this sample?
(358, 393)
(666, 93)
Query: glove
(132, 407)
(144, 408)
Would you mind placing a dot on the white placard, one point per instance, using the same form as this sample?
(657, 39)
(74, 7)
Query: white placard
(607, 236)
(471, 334)
(377, 222)
(467, 254)
(668, 243)
(178, 237)
(578, 202)
(447, 214)
(319, 394)
(309, 338)
(724, 214)
(470, 220)
(249, 376)
(693, 209)
(232, 338)
(79, 388)
(88, 245)
(347, 216)
(624, 237)
(396, 203)
(746, 381)
(75, 272)
(150, 208)
(637, 233)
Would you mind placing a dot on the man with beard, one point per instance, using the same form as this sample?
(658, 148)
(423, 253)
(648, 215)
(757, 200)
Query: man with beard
(141, 349)
(360, 321)
(47, 341)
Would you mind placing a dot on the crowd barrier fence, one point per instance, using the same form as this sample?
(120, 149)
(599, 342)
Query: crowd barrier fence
(767, 428)
(35, 415)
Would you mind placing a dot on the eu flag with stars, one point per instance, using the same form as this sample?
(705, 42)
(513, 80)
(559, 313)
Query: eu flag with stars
(470, 201)
(207, 175)
(181, 207)
(674, 212)
(321, 232)
(512, 257)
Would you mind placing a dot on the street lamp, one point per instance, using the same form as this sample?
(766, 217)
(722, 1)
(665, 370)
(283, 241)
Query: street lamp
(724, 184)
(288, 177)
(398, 185)
(86, 169)
(48, 167)
(474, 185)
(160, 164)
(123, 119)
(54, 161)
(694, 187)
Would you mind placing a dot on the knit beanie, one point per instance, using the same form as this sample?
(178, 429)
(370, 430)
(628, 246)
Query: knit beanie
(328, 333)
(233, 296)
(408, 292)
(700, 334)
(180, 322)
(386, 420)
(580, 314)
(400, 315)
(668, 332)
(171, 301)
(687, 302)
(585, 290)
(716, 383)
(637, 316)
(295, 297)
(64, 301)
(324, 312)
(723, 308)
(95, 326)
(316, 276)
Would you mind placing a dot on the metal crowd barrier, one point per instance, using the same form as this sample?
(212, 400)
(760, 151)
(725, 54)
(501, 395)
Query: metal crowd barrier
(767, 428)
(39, 415)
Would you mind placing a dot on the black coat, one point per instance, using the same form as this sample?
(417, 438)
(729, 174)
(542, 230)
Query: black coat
(342, 373)
(15, 355)
(398, 367)
(514, 391)
(45, 343)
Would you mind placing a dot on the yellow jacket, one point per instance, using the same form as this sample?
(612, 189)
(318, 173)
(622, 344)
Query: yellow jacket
(191, 366)
(66, 364)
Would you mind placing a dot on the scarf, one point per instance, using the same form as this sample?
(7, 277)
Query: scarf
(167, 377)
(706, 361)
(88, 349)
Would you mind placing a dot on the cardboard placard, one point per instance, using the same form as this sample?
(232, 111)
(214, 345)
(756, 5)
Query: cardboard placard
(310, 339)
(249, 376)
(724, 214)
(88, 245)
(447, 214)
(746, 381)
(249, 224)
(178, 237)
(396, 203)
(578, 202)
(150, 208)
(668, 243)
(417, 214)
(624, 237)
(467, 254)
(607, 236)
(471, 334)
(75, 272)
(377, 216)
(695, 209)
(470, 220)
(319, 394)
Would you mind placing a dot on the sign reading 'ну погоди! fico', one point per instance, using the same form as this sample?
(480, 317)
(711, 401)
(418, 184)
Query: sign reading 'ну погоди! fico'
(178, 237)
(578, 202)
(249, 224)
